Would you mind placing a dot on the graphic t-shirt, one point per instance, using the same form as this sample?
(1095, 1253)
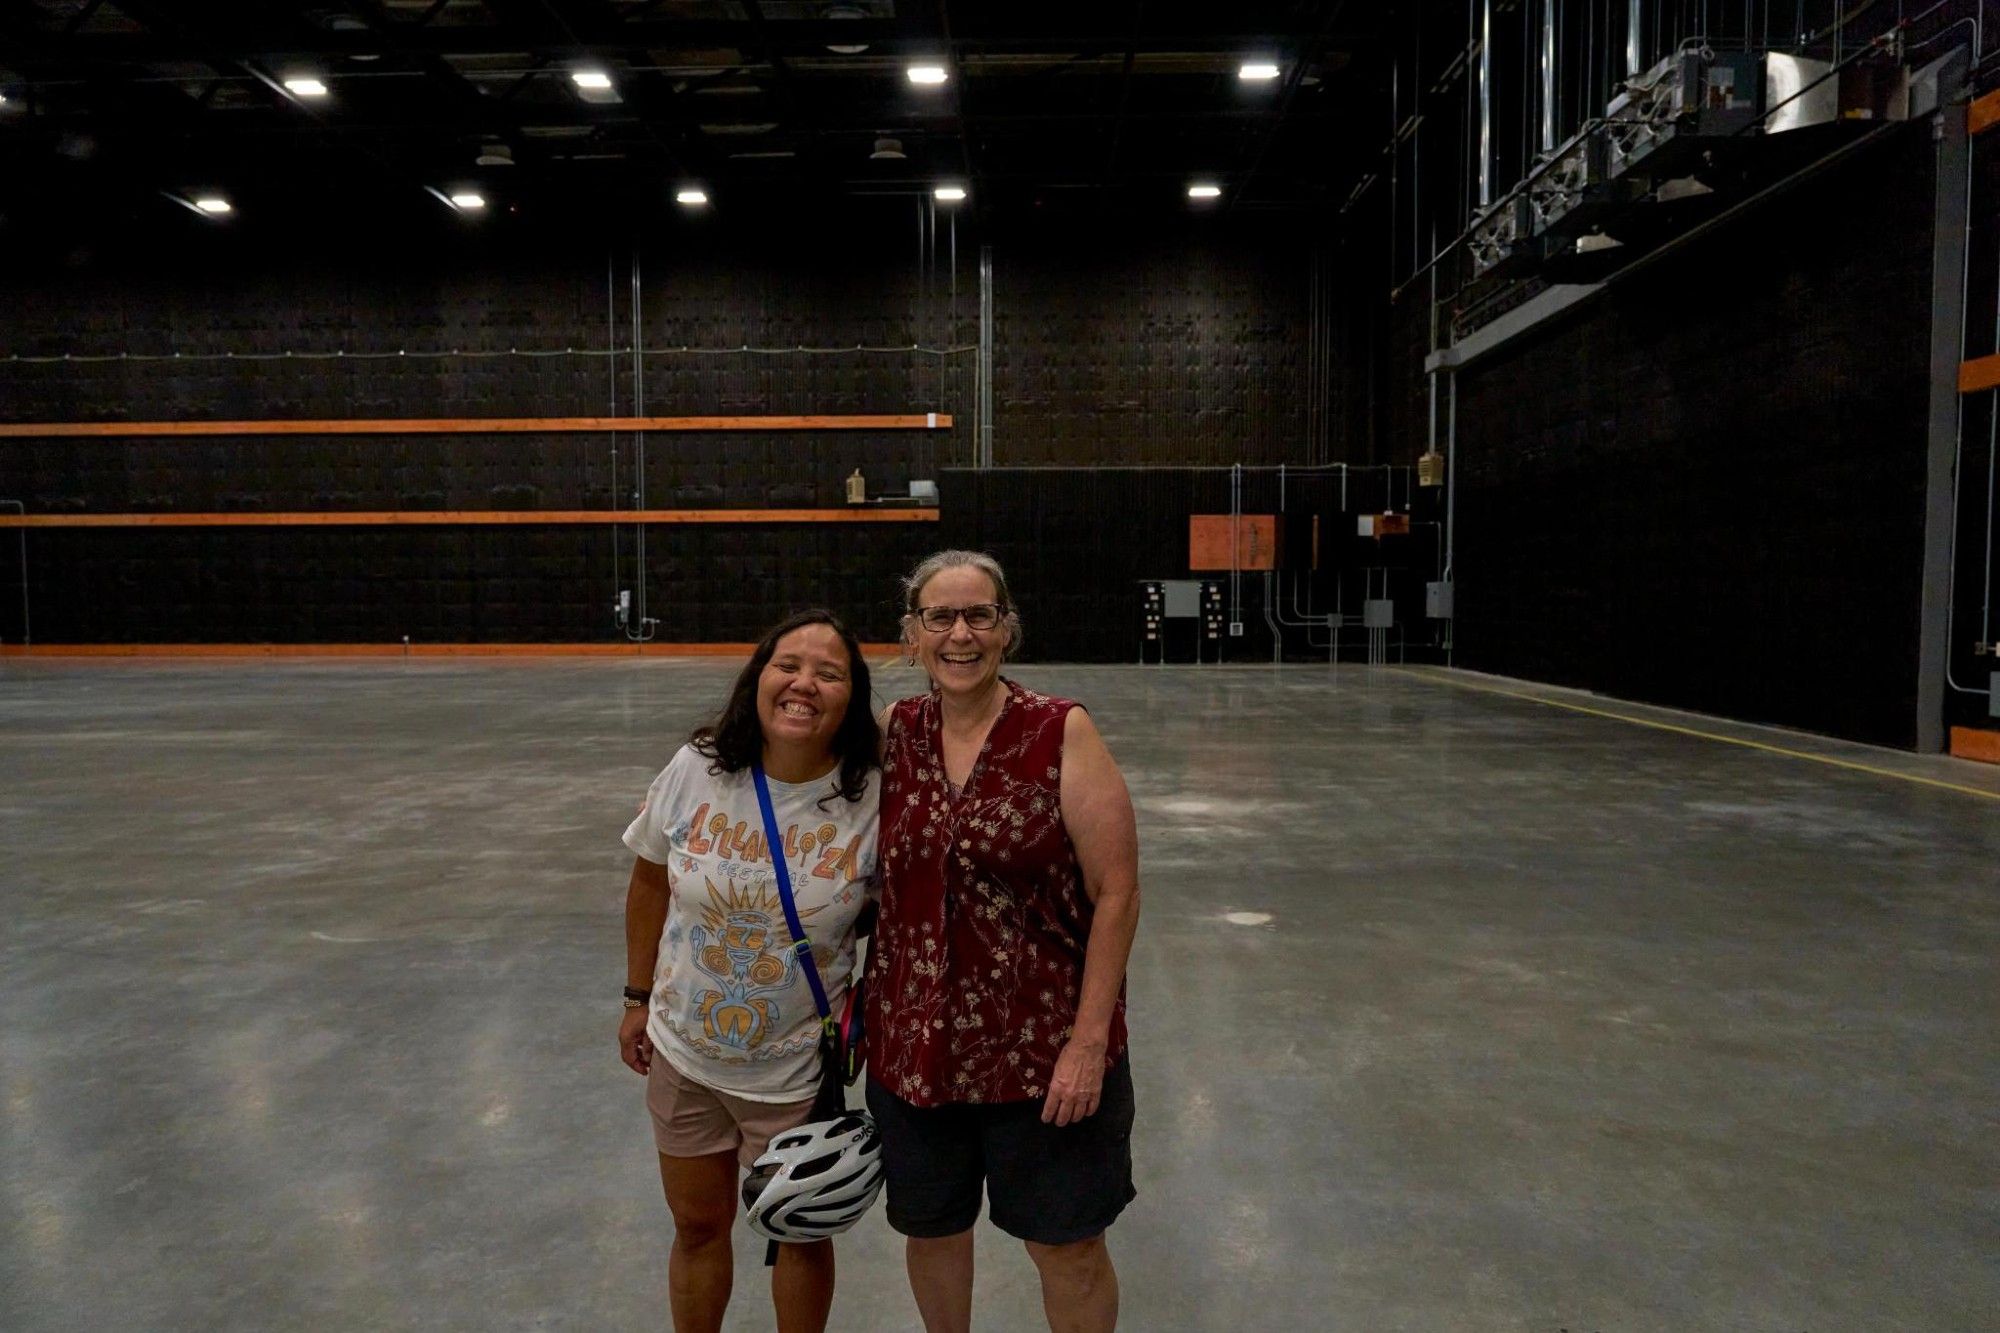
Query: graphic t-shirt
(731, 1007)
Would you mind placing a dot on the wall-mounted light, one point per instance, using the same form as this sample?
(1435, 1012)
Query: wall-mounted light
(927, 75)
(468, 200)
(213, 204)
(948, 194)
(593, 79)
(691, 196)
(303, 85)
(1257, 71)
(1204, 190)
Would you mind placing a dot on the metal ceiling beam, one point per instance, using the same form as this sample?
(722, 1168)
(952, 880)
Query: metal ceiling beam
(565, 20)
(786, 37)
(1124, 91)
(1302, 52)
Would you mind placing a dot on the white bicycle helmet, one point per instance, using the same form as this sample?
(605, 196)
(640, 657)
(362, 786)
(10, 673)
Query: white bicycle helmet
(815, 1181)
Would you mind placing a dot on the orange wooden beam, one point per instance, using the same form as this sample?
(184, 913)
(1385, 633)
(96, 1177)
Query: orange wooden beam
(1976, 743)
(1979, 373)
(400, 650)
(455, 517)
(468, 425)
(1984, 113)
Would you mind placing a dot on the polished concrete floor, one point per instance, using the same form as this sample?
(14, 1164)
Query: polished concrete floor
(1452, 1009)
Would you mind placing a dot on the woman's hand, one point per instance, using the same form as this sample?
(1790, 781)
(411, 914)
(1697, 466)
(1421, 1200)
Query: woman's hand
(1077, 1086)
(635, 1048)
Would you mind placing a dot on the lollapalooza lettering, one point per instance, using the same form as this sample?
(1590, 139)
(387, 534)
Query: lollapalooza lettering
(739, 840)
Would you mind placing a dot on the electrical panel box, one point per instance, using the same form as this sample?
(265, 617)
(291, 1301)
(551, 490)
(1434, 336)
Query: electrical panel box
(1382, 525)
(1378, 613)
(1437, 601)
(1161, 600)
(1257, 539)
(1183, 596)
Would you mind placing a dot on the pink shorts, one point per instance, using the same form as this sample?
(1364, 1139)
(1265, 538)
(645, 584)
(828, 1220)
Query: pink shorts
(692, 1120)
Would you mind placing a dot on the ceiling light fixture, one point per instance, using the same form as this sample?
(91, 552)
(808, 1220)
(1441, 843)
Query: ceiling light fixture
(888, 150)
(927, 75)
(468, 199)
(214, 204)
(494, 155)
(949, 194)
(590, 78)
(691, 196)
(837, 12)
(305, 86)
(1204, 190)
(1257, 71)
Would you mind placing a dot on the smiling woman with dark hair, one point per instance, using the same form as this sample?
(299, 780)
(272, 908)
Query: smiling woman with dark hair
(720, 1016)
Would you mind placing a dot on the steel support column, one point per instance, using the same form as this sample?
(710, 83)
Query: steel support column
(1954, 150)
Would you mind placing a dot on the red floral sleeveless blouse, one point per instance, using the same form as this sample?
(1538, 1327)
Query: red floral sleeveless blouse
(977, 962)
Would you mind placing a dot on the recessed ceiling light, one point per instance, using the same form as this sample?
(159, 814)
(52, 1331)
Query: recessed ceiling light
(303, 86)
(927, 74)
(214, 203)
(949, 194)
(1204, 190)
(691, 196)
(1257, 71)
(468, 199)
(590, 78)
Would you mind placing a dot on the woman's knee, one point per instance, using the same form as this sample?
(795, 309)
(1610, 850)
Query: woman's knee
(698, 1227)
(1080, 1262)
(958, 1242)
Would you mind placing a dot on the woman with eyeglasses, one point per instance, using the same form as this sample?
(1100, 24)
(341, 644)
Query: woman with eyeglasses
(1010, 892)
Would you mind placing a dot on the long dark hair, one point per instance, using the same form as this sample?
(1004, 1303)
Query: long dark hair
(735, 740)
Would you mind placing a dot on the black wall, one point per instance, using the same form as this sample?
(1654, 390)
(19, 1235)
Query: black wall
(1114, 343)
(1114, 348)
(1076, 542)
(1706, 489)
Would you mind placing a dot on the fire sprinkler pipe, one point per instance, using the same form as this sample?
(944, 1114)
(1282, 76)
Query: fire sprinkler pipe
(1548, 76)
(1486, 102)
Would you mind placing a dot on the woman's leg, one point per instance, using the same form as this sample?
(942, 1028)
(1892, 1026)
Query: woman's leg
(941, 1280)
(701, 1194)
(802, 1286)
(1079, 1286)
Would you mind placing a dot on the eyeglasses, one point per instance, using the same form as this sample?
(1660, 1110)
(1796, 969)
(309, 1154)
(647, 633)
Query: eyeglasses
(939, 619)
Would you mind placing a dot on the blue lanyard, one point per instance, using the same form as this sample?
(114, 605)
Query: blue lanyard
(801, 945)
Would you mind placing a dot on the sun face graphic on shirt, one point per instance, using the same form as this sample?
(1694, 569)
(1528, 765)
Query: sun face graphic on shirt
(742, 945)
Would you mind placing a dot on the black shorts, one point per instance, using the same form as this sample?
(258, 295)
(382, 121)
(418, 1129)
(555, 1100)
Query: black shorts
(1046, 1184)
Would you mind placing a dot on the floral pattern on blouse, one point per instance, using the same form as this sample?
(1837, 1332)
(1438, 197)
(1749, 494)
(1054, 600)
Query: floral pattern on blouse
(977, 961)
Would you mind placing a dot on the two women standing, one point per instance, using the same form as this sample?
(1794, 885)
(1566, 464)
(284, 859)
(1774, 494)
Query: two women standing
(1008, 882)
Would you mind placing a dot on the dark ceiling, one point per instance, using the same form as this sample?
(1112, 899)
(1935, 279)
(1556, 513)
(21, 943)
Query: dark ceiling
(1044, 102)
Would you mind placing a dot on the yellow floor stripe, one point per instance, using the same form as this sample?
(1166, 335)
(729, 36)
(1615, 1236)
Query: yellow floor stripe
(1705, 735)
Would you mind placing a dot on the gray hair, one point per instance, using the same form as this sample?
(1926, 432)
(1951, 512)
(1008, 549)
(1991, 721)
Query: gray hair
(937, 563)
